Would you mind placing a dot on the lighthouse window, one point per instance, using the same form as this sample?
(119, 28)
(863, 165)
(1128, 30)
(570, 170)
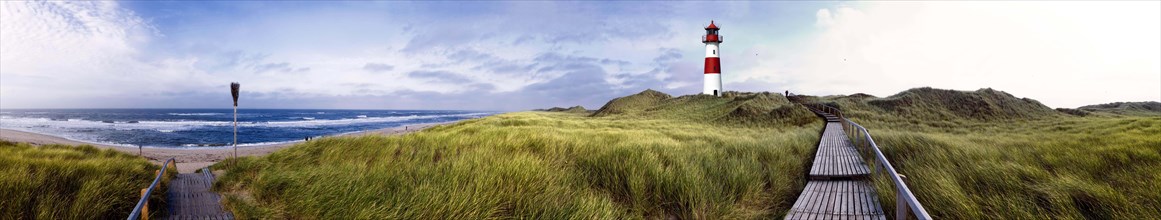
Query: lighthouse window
(715, 51)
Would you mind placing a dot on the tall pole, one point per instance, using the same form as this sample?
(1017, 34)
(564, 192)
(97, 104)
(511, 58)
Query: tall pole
(234, 87)
(235, 132)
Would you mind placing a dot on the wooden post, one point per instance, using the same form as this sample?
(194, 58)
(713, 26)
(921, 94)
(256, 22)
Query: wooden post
(234, 89)
(235, 134)
(145, 209)
(901, 209)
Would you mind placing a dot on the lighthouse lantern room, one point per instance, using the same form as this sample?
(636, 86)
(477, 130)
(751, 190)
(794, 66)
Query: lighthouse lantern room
(713, 72)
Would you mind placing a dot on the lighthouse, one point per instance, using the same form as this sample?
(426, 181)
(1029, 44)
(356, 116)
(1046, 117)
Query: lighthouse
(713, 65)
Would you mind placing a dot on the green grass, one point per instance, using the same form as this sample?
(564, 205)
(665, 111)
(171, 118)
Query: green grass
(1125, 108)
(743, 156)
(1060, 168)
(1015, 165)
(66, 182)
(532, 165)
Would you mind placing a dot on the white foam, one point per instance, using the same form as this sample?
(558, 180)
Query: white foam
(267, 143)
(195, 114)
(17, 122)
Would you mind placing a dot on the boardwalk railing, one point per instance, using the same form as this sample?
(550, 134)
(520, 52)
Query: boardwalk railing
(141, 204)
(905, 201)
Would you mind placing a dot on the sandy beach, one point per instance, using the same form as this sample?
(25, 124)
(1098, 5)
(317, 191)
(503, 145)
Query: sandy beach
(191, 159)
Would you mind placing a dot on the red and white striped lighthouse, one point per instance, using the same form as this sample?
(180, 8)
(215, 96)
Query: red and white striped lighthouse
(713, 65)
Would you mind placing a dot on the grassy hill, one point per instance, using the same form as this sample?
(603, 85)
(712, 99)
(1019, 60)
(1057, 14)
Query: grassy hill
(635, 103)
(732, 109)
(981, 154)
(647, 155)
(66, 182)
(941, 105)
(1126, 108)
(574, 109)
(986, 154)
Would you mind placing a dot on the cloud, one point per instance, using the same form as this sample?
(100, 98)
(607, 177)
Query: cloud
(824, 19)
(440, 76)
(82, 51)
(523, 55)
(378, 67)
(1074, 53)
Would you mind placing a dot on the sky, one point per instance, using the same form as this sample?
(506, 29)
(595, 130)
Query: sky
(524, 55)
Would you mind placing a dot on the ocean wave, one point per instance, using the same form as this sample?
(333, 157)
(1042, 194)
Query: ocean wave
(195, 114)
(17, 122)
(267, 143)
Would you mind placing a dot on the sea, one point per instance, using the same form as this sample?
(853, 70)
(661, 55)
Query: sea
(210, 128)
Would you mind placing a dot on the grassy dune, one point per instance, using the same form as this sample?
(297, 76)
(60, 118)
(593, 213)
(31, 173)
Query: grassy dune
(1068, 168)
(982, 154)
(540, 165)
(1019, 161)
(66, 182)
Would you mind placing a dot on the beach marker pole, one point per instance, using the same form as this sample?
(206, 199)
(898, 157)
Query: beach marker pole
(234, 87)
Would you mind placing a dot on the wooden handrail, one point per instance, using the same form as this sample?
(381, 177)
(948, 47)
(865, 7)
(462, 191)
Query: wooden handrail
(137, 210)
(905, 201)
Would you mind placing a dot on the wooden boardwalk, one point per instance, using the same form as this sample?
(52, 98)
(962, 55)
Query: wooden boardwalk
(190, 197)
(837, 158)
(837, 185)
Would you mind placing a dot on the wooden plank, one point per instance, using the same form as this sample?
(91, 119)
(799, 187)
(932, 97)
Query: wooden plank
(819, 199)
(865, 204)
(801, 203)
(833, 196)
(844, 198)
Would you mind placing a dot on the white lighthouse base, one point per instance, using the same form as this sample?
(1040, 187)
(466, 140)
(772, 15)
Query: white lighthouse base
(713, 85)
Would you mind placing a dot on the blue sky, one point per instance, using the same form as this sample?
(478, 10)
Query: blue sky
(523, 55)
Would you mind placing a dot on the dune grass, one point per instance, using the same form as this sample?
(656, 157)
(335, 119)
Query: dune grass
(538, 165)
(1063, 168)
(1022, 161)
(742, 156)
(66, 182)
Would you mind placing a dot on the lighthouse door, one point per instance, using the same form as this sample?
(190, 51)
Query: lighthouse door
(715, 92)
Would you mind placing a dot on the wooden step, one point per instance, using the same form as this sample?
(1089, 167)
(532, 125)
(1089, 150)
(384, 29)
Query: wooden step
(837, 199)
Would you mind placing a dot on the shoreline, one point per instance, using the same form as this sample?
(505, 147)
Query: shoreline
(193, 158)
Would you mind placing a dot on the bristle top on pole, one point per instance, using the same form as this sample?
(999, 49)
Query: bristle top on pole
(234, 87)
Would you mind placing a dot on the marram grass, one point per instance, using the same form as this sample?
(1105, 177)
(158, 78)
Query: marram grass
(699, 157)
(1063, 168)
(66, 182)
(1014, 164)
(531, 165)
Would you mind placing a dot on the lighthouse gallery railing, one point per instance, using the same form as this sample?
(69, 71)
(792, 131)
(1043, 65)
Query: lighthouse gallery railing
(720, 38)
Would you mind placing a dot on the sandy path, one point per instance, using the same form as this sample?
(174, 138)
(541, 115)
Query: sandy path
(191, 159)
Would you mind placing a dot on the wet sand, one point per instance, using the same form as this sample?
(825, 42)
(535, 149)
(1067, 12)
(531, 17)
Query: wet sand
(191, 159)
